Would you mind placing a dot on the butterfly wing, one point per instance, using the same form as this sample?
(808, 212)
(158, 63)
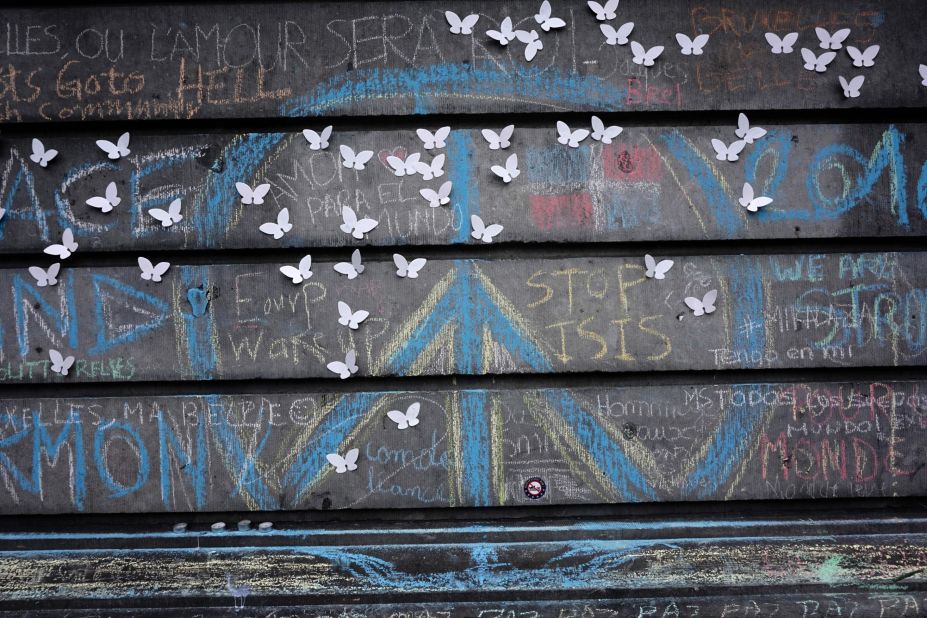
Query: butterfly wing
(350, 360)
(823, 60)
(431, 196)
(788, 41)
(357, 317)
(364, 226)
(685, 43)
(511, 166)
(346, 268)
(356, 261)
(305, 267)
(283, 220)
(399, 418)
(478, 227)
(695, 305)
(415, 266)
(112, 194)
(123, 144)
(338, 461)
(272, 229)
(721, 149)
(922, 69)
(708, 301)
(623, 32)
(246, 193)
(260, 192)
(662, 268)
(293, 273)
(454, 21)
(412, 413)
(348, 158)
(428, 138)
(491, 232)
(651, 265)
(350, 458)
(344, 313)
(350, 219)
(101, 203)
(502, 173)
(111, 150)
(146, 267)
(698, 44)
(563, 132)
(340, 368)
(810, 59)
(746, 195)
(758, 203)
(532, 50)
(40, 275)
(577, 136)
(402, 265)
(652, 54)
(775, 43)
(639, 52)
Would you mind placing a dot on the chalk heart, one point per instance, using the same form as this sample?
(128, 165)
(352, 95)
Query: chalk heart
(199, 301)
(398, 151)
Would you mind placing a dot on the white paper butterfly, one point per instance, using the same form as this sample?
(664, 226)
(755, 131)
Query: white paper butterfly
(152, 272)
(603, 13)
(783, 45)
(725, 152)
(119, 149)
(751, 203)
(458, 25)
(832, 41)
(45, 277)
(280, 227)
(510, 170)
(691, 47)
(404, 167)
(438, 198)
(66, 248)
(544, 19)
(353, 226)
(40, 155)
(354, 161)
(619, 36)
(405, 268)
(352, 268)
(435, 169)
(318, 141)
(351, 319)
(705, 305)
(343, 464)
(107, 202)
(505, 34)
(532, 43)
(170, 216)
(851, 88)
(433, 140)
(643, 56)
(655, 269)
(346, 369)
(484, 232)
(602, 133)
(922, 69)
(568, 137)
(406, 419)
(60, 364)
(500, 139)
(252, 196)
(865, 58)
(817, 63)
(746, 132)
(301, 272)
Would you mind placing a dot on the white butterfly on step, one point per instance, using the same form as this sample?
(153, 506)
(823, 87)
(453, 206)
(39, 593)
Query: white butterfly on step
(347, 368)
(433, 140)
(318, 141)
(460, 25)
(851, 88)
(704, 305)
(817, 63)
(170, 216)
(406, 269)
(406, 419)
(749, 200)
(353, 226)
(747, 133)
(40, 155)
(299, 273)
(438, 198)
(351, 319)
(353, 268)
(691, 47)
(619, 36)
(505, 34)
(865, 58)
(922, 69)
(60, 364)
(604, 134)
(606, 12)
(343, 464)
(783, 45)
(510, 171)
(500, 139)
(545, 20)
(832, 41)
(484, 232)
(107, 202)
(725, 152)
(532, 41)
(352, 160)
(404, 167)
(45, 277)
(252, 196)
(65, 248)
(646, 57)
(152, 272)
(655, 269)
(568, 137)
(279, 227)
(117, 150)
(435, 169)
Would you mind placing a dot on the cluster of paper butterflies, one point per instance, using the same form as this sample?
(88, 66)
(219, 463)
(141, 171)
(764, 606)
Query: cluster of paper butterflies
(403, 420)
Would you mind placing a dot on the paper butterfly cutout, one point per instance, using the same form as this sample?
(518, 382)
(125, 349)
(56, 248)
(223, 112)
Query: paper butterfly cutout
(458, 25)
(407, 269)
(544, 19)
(532, 43)
(510, 170)
(152, 272)
(817, 63)
(922, 69)
(437, 198)
(750, 202)
(354, 161)
(435, 169)
(484, 232)
(433, 140)
(500, 139)
(406, 419)
(704, 306)
(119, 149)
(568, 137)
(66, 248)
(747, 133)
(343, 464)
(301, 272)
(603, 13)
(40, 155)
(351, 319)
(60, 364)
(619, 36)
(352, 268)
(404, 167)
(252, 196)
(604, 134)
(643, 56)
(280, 227)
(353, 226)
(865, 58)
(655, 269)
(107, 202)
(505, 34)
(832, 41)
(45, 277)
(318, 141)
(726, 152)
(346, 369)
(691, 47)
(783, 45)
(170, 216)
(851, 88)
